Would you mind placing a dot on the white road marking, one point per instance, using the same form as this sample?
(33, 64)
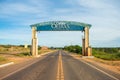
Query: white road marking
(19, 69)
(7, 64)
(100, 70)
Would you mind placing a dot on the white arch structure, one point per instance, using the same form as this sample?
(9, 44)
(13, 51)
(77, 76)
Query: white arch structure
(62, 26)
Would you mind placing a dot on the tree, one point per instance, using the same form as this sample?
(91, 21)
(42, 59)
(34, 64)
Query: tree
(73, 48)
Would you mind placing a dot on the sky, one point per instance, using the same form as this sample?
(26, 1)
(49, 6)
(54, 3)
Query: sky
(16, 16)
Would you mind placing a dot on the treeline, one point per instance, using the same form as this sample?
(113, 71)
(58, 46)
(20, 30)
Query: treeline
(74, 48)
(9, 46)
(106, 53)
(103, 53)
(78, 49)
(108, 50)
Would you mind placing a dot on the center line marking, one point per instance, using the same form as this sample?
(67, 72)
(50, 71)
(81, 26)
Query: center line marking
(60, 74)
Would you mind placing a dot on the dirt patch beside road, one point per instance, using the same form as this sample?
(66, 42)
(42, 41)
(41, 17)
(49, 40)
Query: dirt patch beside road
(13, 58)
(17, 57)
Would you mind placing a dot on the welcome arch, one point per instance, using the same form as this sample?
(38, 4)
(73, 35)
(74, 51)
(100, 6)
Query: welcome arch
(61, 26)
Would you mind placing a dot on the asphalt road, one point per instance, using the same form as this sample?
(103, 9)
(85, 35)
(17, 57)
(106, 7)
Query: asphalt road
(79, 70)
(60, 66)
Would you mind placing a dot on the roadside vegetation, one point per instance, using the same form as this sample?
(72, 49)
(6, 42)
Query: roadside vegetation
(12, 49)
(23, 54)
(2, 59)
(17, 53)
(112, 54)
(74, 48)
(107, 53)
(19, 50)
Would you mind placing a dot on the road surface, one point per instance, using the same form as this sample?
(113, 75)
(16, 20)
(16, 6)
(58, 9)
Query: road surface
(60, 66)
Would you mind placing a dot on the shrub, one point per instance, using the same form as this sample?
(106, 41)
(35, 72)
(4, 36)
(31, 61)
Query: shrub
(105, 55)
(73, 48)
(2, 59)
(23, 54)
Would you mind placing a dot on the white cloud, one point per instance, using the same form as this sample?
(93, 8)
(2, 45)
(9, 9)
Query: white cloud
(102, 14)
(18, 8)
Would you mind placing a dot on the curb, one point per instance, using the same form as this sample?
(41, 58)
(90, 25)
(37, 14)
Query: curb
(87, 57)
(7, 64)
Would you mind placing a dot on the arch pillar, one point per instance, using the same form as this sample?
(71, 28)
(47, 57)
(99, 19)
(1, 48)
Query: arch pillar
(83, 46)
(86, 50)
(34, 47)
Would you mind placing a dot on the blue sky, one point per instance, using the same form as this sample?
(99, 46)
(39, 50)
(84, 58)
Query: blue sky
(17, 15)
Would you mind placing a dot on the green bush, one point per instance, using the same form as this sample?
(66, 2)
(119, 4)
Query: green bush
(108, 50)
(74, 48)
(2, 59)
(23, 54)
(106, 56)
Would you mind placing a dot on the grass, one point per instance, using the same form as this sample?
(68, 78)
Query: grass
(23, 54)
(2, 59)
(13, 49)
(106, 56)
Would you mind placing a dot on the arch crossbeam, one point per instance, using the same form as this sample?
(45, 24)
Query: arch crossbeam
(60, 26)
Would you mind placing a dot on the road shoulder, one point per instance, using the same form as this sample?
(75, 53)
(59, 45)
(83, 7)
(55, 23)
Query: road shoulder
(8, 70)
(95, 64)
